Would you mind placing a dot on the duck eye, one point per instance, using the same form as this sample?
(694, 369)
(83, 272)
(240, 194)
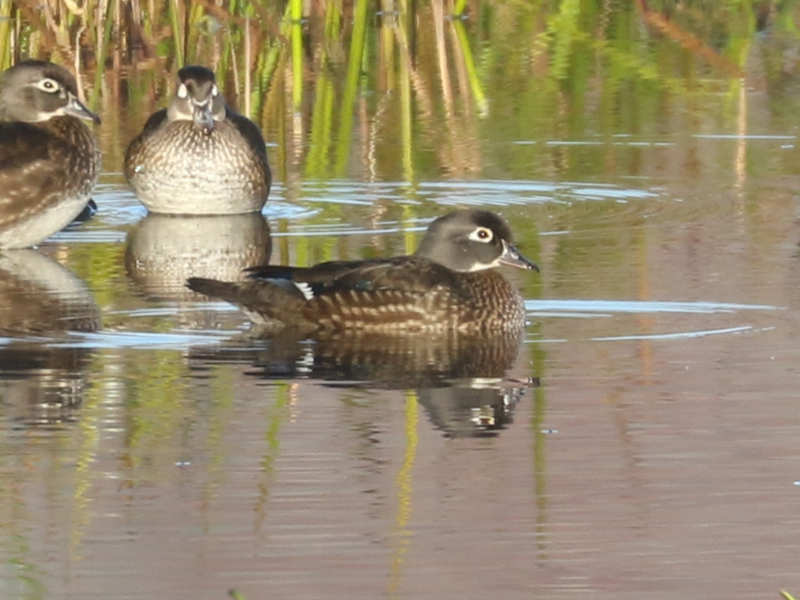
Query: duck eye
(482, 234)
(48, 85)
(182, 92)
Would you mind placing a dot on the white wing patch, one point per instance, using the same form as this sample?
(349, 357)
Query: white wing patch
(305, 289)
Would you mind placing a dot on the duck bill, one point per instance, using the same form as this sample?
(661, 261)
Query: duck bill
(512, 257)
(76, 108)
(203, 117)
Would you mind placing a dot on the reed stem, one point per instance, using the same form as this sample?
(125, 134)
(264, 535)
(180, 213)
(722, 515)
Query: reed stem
(6, 41)
(297, 53)
(103, 52)
(351, 85)
(472, 73)
(174, 18)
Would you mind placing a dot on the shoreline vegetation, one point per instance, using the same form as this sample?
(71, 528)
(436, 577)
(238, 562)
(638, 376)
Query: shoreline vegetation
(317, 74)
(404, 92)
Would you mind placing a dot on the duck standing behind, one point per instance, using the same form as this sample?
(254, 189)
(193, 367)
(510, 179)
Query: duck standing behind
(450, 284)
(197, 156)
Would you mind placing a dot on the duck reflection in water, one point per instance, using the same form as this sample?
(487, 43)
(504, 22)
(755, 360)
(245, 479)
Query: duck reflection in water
(41, 383)
(163, 250)
(442, 317)
(461, 380)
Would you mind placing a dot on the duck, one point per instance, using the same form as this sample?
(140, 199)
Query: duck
(450, 284)
(49, 159)
(197, 156)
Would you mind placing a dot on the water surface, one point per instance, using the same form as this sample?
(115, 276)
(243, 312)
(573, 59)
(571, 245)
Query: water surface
(638, 441)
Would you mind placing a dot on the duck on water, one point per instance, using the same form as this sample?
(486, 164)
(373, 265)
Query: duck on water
(451, 283)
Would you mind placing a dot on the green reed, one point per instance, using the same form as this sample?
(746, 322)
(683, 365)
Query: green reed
(404, 77)
(6, 24)
(351, 85)
(175, 23)
(315, 74)
(103, 47)
(458, 9)
(324, 97)
(469, 64)
(297, 53)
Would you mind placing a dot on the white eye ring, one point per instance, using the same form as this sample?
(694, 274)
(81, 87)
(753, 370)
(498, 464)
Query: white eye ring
(482, 234)
(214, 91)
(48, 85)
(182, 92)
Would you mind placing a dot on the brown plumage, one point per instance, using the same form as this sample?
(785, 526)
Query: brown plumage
(48, 158)
(449, 284)
(197, 156)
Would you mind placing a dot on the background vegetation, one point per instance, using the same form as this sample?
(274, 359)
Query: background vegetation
(413, 94)
(434, 80)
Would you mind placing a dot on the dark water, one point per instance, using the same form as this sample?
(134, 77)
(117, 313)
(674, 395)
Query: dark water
(640, 441)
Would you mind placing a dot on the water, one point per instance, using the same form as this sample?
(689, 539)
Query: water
(642, 437)
(638, 441)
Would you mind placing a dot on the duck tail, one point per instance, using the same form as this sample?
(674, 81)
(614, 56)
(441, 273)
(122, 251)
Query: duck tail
(224, 290)
(259, 299)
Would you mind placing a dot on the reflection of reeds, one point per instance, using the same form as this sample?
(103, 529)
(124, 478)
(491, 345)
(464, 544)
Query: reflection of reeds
(688, 40)
(404, 79)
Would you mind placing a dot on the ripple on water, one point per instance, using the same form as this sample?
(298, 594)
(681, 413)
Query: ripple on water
(603, 309)
(118, 206)
(276, 209)
(141, 340)
(680, 334)
(592, 307)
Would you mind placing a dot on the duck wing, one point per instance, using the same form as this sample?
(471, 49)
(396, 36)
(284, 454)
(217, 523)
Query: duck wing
(33, 169)
(409, 274)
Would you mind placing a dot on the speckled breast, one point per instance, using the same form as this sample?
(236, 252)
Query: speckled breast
(182, 169)
(491, 303)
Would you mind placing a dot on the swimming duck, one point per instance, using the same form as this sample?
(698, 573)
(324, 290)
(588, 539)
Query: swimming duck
(449, 284)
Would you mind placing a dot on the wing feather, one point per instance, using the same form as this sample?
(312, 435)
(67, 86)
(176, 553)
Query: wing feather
(33, 169)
